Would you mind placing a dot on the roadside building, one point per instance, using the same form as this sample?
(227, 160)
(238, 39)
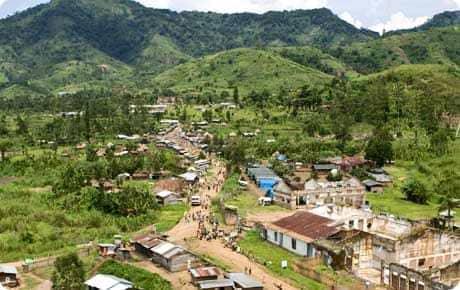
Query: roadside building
(220, 284)
(108, 282)
(296, 233)
(244, 282)
(189, 177)
(171, 257)
(9, 276)
(315, 193)
(204, 274)
(107, 250)
(166, 197)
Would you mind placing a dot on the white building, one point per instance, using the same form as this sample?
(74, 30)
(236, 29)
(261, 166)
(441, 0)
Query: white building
(108, 282)
(297, 232)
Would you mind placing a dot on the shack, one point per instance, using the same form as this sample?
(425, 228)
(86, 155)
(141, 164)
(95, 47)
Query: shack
(221, 284)
(173, 258)
(204, 274)
(8, 276)
(108, 282)
(244, 282)
(167, 197)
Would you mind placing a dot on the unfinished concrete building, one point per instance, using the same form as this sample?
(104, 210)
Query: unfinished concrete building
(315, 193)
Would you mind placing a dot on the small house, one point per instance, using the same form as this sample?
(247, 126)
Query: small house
(144, 243)
(244, 282)
(189, 177)
(324, 168)
(373, 186)
(220, 284)
(296, 233)
(204, 274)
(166, 197)
(107, 250)
(173, 258)
(8, 276)
(108, 282)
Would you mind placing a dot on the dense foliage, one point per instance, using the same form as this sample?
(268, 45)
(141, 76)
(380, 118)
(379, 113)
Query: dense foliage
(142, 279)
(69, 273)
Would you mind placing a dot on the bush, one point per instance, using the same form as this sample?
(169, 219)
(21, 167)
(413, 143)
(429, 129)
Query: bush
(142, 279)
(416, 191)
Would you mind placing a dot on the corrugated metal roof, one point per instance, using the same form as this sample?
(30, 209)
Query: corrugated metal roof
(212, 284)
(163, 248)
(309, 225)
(204, 272)
(108, 282)
(8, 269)
(244, 280)
(174, 251)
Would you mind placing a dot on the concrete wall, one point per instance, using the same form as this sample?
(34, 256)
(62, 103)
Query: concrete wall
(285, 242)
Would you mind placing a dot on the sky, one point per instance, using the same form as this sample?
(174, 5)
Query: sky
(377, 15)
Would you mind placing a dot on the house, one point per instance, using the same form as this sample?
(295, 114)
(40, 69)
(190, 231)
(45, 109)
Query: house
(348, 163)
(264, 177)
(144, 243)
(108, 282)
(173, 258)
(167, 100)
(373, 186)
(315, 193)
(244, 282)
(107, 250)
(324, 168)
(204, 274)
(189, 177)
(166, 197)
(220, 284)
(296, 233)
(8, 276)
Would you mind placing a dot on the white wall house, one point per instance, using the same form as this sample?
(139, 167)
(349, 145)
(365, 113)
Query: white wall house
(297, 232)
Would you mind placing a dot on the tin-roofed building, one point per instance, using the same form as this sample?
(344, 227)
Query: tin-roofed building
(297, 232)
(8, 276)
(108, 282)
(204, 274)
(244, 282)
(220, 284)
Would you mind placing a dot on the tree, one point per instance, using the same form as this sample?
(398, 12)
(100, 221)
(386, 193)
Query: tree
(236, 95)
(69, 273)
(5, 146)
(133, 200)
(449, 190)
(416, 191)
(380, 149)
(440, 142)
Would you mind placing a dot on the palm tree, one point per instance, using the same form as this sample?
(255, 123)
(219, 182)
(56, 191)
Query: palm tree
(449, 203)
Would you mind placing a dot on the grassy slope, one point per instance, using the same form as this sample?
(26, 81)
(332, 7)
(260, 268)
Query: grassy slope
(249, 69)
(314, 58)
(443, 80)
(436, 46)
(429, 172)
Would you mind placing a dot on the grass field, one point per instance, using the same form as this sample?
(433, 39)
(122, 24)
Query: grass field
(263, 251)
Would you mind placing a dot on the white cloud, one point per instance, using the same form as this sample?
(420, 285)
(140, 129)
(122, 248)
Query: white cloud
(1, 2)
(348, 18)
(256, 6)
(399, 21)
(457, 2)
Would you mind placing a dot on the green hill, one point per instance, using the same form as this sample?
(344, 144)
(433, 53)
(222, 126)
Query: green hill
(248, 69)
(435, 46)
(312, 57)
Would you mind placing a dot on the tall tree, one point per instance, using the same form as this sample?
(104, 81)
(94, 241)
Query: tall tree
(69, 273)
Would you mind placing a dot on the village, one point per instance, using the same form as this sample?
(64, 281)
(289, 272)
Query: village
(321, 216)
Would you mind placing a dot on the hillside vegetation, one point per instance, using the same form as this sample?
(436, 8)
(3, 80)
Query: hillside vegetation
(247, 69)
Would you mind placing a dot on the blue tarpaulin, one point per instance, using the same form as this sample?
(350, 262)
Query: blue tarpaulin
(267, 183)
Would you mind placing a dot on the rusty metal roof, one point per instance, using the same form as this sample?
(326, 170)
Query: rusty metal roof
(308, 225)
(204, 272)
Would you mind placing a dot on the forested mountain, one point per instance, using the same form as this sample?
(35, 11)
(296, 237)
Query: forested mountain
(67, 45)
